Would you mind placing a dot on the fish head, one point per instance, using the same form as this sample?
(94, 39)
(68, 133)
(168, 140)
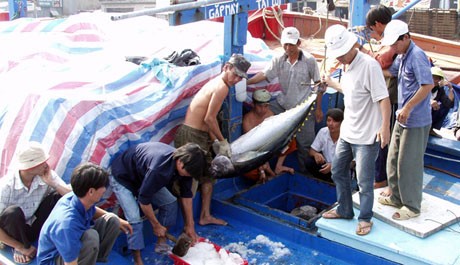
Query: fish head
(221, 167)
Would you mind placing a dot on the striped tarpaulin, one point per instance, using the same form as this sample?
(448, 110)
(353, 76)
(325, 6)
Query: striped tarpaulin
(65, 83)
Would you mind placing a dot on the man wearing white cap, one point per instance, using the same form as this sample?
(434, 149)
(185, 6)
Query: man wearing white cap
(296, 71)
(365, 128)
(27, 196)
(405, 165)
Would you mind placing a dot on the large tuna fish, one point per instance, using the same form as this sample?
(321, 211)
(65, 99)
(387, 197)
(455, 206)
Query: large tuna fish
(257, 146)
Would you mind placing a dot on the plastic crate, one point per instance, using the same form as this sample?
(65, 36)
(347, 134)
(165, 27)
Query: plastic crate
(179, 261)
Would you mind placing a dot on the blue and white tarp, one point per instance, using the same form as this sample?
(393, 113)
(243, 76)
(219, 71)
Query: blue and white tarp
(66, 83)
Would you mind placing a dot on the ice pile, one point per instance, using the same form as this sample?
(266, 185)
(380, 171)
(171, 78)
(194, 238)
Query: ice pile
(204, 253)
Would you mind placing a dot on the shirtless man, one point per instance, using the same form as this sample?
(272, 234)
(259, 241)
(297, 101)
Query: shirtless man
(201, 127)
(261, 111)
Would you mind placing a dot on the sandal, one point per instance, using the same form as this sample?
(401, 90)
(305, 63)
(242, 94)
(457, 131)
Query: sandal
(387, 201)
(404, 214)
(364, 228)
(332, 214)
(20, 258)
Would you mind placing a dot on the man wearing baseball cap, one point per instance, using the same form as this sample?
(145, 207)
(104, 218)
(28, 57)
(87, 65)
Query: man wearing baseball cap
(365, 128)
(405, 165)
(297, 71)
(201, 126)
(27, 196)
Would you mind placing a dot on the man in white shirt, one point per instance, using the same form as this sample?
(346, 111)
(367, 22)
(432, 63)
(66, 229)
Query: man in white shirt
(365, 128)
(27, 196)
(322, 149)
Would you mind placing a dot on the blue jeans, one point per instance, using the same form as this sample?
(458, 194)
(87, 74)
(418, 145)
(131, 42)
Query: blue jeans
(365, 156)
(162, 200)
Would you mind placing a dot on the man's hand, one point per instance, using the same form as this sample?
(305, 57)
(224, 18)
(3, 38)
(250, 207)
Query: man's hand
(383, 136)
(126, 227)
(403, 115)
(222, 148)
(318, 114)
(319, 159)
(435, 105)
(47, 177)
(325, 168)
(159, 230)
(190, 231)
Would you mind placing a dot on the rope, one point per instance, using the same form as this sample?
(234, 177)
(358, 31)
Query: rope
(320, 27)
(449, 229)
(268, 12)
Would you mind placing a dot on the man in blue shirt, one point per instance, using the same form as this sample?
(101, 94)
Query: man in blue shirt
(405, 165)
(77, 232)
(145, 176)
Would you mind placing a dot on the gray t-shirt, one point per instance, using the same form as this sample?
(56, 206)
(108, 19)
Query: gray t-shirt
(293, 78)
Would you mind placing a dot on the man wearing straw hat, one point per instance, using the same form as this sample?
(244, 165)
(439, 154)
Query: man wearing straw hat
(27, 196)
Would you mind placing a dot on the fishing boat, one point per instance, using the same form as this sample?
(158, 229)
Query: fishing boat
(79, 92)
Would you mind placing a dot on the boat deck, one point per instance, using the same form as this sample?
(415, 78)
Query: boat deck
(263, 232)
(388, 238)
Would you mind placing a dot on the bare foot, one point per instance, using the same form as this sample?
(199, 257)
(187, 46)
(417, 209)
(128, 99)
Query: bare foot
(20, 258)
(31, 252)
(211, 220)
(386, 192)
(283, 169)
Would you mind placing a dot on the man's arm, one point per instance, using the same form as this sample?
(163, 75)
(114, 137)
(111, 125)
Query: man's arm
(384, 132)
(257, 78)
(384, 56)
(215, 103)
(189, 223)
(319, 158)
(332, 83)
(421, 94)
(55, 182)
(387, 73)
(124, 225)
(158, 229)
(318, 109)
(447, 100)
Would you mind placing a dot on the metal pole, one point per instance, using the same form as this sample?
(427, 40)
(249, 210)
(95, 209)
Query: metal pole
(404, 9)
(173, 8)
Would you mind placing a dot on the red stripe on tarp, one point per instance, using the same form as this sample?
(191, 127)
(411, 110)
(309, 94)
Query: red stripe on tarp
(67, 125)
(15, 132)
(107, 142)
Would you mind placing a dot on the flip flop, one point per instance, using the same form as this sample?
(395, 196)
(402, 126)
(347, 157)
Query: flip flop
(364, 228)
(404, 214)
(387, 201)
(332, 214)
(18, 256)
